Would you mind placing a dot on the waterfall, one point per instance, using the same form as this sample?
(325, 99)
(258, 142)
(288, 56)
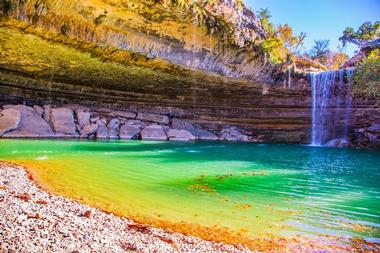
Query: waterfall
(331, 112)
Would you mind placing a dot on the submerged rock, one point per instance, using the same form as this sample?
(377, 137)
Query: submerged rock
(339, 143)
(62, 120)
(30, 125)
(128, 131)
(153, 132)
(157, 118)
(9, 120)
(180, 135)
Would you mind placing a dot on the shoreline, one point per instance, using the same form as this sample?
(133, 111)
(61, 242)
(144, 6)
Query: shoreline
(36, 220)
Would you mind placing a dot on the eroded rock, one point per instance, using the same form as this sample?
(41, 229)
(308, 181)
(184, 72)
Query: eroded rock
(205, 135)
(113, 128)
(89, 131)
(128, 131)
(38, 109)
(233, 134)
(62, 120)
(101, 132)
(83, 118)
(30, 125)
(153, 132)
(157, 118)
(180, 135)
(122, 114)
(9, 120)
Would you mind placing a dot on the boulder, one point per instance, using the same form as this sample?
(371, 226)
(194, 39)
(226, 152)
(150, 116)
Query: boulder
(9, 120)
(101, 132)
(126, 115)
(183, 124)
(62, 120)
(89, 131)
(83, 118)
(30, 125)
(153, 132)
(232, 134)
(194, 129)
(129, 132)
(180, 135)
(339, 143)
(39, 110)
(205, 135)
(47, 112)
(113, 128)
(157, 118)
(374, 128)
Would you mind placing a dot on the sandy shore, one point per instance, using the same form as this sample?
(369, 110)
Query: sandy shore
(32, 220)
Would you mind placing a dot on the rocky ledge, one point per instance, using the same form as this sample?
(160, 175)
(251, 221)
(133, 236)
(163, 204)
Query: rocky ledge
(74, 121)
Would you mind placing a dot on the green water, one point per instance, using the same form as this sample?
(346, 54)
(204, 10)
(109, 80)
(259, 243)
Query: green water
(255, 189)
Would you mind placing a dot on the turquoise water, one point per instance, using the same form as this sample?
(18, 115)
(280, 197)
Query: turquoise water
(257, 190)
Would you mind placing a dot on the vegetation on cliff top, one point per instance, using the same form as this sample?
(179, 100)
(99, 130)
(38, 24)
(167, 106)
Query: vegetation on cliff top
(367, 75)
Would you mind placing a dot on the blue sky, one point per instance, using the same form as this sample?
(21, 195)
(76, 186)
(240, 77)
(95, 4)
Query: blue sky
(321, 19)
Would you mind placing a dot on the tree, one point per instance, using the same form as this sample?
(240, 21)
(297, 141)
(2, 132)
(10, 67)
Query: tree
(291, 41)
(365, 33)
(320, 48)
(264, 16)
(367, 75)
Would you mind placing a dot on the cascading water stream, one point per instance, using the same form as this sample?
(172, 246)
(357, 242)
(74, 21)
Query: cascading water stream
(331, 91)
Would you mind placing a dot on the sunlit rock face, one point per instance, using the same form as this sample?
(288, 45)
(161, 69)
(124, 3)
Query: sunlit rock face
(219, 36)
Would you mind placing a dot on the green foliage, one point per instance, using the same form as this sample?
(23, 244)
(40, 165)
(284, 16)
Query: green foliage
(264, 16)
(367, 76)
(291, 41)
(366, 32)
(276, 50)
(281, 44)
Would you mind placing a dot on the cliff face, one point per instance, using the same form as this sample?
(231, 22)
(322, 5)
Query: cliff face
(217, 36)
(198, 62)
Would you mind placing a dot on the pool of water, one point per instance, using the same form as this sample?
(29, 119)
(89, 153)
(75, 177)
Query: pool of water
(249, 190)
